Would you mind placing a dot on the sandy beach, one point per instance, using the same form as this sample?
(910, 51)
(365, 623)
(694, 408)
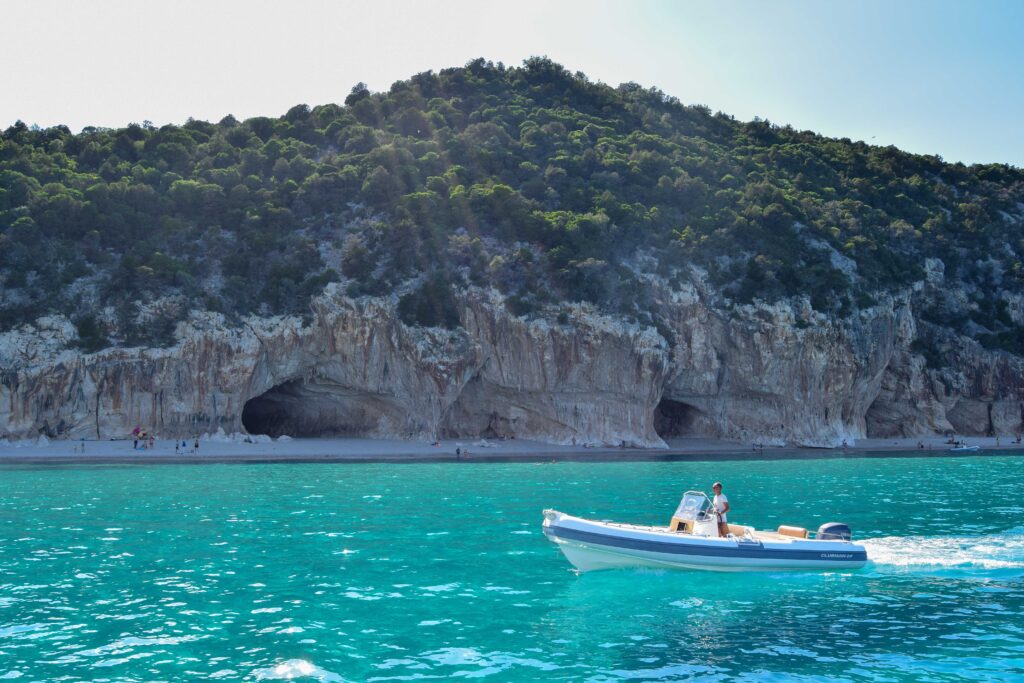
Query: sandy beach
(234, 449)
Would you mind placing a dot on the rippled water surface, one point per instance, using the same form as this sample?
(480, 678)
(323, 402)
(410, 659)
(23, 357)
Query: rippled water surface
(407, 572)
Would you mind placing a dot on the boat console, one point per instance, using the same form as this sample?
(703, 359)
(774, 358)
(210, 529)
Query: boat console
(695, 515)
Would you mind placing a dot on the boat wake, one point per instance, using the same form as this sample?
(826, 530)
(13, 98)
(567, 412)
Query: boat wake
(994, 551)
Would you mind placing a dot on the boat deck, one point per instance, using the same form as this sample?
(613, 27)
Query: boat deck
(772, 536)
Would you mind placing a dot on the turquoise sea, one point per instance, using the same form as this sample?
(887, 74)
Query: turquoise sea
(331, 572)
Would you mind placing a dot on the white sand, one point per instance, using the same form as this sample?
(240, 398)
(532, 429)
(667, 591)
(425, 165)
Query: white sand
(234, 449)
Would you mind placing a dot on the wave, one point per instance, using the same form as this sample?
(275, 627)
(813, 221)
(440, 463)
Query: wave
(297, 668)
(991, 551)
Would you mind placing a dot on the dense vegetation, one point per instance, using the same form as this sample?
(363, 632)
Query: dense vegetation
(535, 180)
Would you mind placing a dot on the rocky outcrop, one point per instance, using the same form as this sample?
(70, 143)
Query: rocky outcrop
(969, 390)
(547, 380)
(941, 382)
(355, 370)
(779, 373)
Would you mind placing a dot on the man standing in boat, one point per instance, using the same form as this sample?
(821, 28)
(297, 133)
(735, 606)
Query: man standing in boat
(721, 504)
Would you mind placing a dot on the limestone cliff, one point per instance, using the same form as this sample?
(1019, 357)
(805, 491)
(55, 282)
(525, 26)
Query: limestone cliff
(974, 391)
(938, 381)
(779, 373)
(356, 370)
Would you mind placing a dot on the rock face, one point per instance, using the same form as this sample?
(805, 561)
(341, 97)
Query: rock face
(594, 380)
(973, 391)
(938, 381)
(779, 373)
(356, 370)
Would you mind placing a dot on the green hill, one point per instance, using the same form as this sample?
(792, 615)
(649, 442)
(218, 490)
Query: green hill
(533, 180)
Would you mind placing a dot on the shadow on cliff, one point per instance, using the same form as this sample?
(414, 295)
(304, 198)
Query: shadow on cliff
(674, 419)
(307, 409)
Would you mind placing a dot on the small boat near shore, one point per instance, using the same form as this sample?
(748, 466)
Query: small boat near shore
(963, 449)
(691, 541)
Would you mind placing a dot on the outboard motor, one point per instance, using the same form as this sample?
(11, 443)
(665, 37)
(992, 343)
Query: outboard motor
(834, 531)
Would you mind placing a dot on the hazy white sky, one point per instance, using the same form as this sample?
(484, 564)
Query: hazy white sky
(930, 77)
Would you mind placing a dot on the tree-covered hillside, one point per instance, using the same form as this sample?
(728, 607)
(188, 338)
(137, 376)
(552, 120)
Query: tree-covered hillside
(532, 179)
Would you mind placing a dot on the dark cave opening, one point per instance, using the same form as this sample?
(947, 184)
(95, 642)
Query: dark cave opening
(312, 409)
(273, 412)
(674, 419)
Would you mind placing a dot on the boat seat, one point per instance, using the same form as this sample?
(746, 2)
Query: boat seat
(794, 531)
(681, 525)
(739, 529)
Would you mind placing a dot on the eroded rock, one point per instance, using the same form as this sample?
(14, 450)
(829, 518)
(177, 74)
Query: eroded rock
(779, 373)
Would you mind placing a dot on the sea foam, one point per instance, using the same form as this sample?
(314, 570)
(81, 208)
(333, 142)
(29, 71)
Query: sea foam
(991, 551)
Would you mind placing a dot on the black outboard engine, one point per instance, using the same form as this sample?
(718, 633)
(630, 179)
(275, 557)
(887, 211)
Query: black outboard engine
(834, 531)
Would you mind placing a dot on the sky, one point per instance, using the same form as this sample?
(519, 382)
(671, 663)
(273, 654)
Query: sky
(931, 77)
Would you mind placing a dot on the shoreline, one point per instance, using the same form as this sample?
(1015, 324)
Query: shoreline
(365, 451)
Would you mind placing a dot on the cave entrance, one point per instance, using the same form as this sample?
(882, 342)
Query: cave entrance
(276, 412)
(673, 419)
(306, 409)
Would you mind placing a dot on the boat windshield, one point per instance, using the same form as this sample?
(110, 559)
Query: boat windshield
(693, 506)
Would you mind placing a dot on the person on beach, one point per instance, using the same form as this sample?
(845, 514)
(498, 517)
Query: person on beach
(721, 505)
(195, 446)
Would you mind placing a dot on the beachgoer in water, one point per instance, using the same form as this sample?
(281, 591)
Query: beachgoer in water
(721, 504)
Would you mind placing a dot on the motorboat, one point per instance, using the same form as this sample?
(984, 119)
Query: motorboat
(692, 541)
(963, 449)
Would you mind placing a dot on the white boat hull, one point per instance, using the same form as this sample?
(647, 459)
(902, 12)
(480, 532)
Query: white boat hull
(592, 546)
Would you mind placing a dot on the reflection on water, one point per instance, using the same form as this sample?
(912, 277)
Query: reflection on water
(377, 572)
